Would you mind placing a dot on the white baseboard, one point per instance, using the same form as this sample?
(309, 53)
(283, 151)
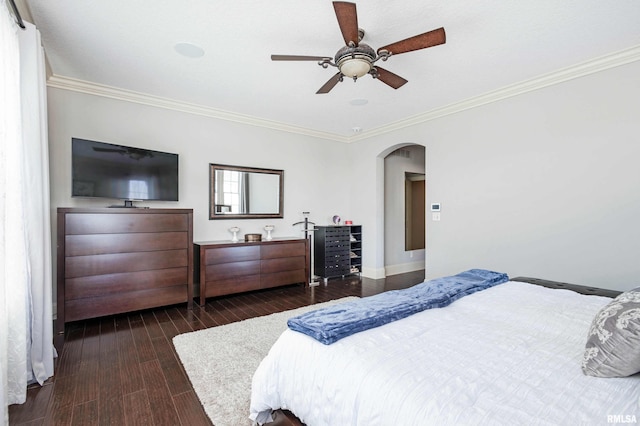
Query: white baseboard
(373, 273)
(404, 268)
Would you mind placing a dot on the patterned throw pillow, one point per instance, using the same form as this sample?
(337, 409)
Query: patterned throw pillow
(613, 343)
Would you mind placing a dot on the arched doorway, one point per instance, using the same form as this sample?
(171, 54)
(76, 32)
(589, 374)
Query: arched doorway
(404, 178)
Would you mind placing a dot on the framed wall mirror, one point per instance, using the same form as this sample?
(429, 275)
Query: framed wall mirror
(237, 192)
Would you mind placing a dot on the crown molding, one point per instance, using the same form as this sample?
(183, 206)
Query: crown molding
(576, 71)
(86, 87)
(602, 63)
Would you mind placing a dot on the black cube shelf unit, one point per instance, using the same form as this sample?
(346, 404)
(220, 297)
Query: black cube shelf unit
(337, 251)
(355, 252)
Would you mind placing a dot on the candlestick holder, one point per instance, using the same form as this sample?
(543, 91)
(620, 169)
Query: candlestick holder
(269, 229)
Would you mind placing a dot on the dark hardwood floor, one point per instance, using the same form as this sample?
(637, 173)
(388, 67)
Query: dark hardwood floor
(123, 369)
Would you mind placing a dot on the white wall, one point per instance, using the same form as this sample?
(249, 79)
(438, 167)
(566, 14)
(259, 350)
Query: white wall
(545, 184)
(314, 176)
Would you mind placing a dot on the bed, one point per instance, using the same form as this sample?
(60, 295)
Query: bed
(510, 354)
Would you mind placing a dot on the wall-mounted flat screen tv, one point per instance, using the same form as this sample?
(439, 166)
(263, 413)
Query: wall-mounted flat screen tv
(121, 172)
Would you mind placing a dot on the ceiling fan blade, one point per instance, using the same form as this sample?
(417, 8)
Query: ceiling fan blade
(330, 84)
(390, 79)
(298, 58)
(347, 20)
(421, 41)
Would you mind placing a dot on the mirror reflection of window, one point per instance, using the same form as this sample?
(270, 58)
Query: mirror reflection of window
(138, 189)
(231, 190)
(232, 194)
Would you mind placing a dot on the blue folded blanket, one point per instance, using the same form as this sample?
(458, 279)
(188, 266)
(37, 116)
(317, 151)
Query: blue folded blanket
(331, 324)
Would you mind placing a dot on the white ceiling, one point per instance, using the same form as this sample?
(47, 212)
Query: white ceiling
(491, 45)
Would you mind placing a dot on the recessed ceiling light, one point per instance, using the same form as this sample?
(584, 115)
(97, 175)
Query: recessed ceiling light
(358, 102)
(189, 50)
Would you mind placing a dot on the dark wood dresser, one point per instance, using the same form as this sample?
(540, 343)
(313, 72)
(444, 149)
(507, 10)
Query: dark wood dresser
(116, 260)
(226, 267)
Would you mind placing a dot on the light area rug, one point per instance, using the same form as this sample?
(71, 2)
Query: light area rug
(220, 361)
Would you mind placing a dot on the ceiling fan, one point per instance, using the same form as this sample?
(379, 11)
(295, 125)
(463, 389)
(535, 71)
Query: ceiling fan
(357, 59)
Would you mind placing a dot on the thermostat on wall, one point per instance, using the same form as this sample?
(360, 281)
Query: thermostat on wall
(435, 207)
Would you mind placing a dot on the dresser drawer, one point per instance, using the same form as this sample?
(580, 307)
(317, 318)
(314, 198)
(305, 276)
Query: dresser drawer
(214, 256)
(101, 264)
(282, 250)
(283, 278)
(282, 264)
(336, 245)
(232, 269)
(121, 283)
(232, 285)
(338, 232)
(123, 223)
(83, 245)
(117, 303)
(336, 270)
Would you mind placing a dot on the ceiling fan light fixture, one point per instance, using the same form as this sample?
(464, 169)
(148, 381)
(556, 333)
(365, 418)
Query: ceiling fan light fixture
(355, 61)
(355, 68)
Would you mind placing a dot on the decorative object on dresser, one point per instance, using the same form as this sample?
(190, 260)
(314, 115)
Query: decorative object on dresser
(112, 261)
(252, 237)
(234, 231)
(337, 251)
(269, 229)
(227, 268)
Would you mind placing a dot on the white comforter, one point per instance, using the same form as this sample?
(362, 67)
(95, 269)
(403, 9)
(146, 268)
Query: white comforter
(507, 355)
